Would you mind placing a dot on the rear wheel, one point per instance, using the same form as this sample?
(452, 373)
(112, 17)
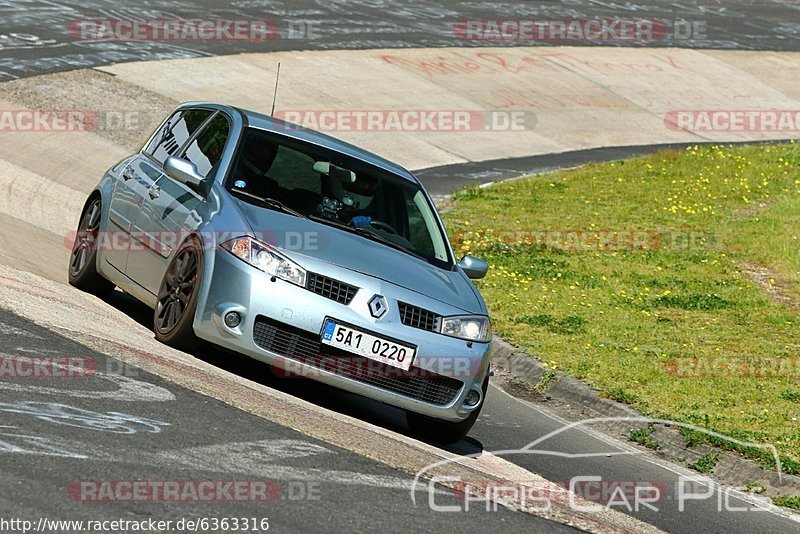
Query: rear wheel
(83, 258)
(445, 432)
(177, 297)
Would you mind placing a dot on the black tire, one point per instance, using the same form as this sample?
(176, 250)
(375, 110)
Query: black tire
(445, 432)
(82, 269)
(176, 303)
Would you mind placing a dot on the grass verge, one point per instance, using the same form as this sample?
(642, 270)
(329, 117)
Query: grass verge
(637, 277)
(787, 501)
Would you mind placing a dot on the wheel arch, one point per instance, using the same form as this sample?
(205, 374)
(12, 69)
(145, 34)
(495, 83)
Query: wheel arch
(207, 250)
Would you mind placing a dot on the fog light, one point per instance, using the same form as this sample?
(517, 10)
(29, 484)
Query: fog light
(232, 319)
(473, 398)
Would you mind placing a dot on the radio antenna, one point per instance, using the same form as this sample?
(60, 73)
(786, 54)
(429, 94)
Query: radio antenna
(275, 94)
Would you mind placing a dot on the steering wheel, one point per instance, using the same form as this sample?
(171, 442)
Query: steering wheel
(386, 227)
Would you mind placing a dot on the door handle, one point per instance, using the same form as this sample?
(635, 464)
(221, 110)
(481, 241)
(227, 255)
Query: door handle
(154, 192)
(127, 174)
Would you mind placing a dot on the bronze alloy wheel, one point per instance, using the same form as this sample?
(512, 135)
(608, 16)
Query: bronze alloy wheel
(177, 297)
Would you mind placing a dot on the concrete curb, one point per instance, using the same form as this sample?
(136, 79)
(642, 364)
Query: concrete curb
(586, 402)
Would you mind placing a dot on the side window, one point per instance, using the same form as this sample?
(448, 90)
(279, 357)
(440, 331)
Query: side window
(422, 228)
(175, 132)
(206, 151)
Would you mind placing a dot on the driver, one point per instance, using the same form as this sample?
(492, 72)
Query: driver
(356, 195)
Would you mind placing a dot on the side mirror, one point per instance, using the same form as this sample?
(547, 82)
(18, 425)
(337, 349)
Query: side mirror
(182, 171)
(473, 267)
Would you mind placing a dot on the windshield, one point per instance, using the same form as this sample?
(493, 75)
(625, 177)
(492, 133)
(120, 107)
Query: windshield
(334, 189)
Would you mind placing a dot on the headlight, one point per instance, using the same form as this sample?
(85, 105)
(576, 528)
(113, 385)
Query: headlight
(264, 257)
(471, 328)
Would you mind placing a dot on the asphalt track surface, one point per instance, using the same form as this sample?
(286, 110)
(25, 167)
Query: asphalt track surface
(34, 36)
(46, 443)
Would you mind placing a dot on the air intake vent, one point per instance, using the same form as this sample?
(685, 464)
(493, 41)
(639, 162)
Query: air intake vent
(419, 318)
(330, 288)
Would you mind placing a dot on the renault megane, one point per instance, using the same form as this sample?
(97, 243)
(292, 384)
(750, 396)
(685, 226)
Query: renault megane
(298, 250)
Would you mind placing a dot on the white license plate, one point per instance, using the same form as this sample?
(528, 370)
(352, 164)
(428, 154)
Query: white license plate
(364, 344)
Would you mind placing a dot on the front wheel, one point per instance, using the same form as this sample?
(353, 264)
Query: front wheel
(445, 432)
(83, 258)
(177, 297)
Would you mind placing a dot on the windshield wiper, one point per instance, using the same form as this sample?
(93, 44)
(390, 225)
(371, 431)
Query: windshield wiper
(330, 222)
(280, 206)
(388, 242)
(369, 235)
(271, 203)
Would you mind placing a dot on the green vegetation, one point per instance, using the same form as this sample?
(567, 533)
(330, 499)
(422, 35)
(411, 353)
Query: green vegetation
(706, 463)
(692, 438)
(755, 487)
(642, 437)
(788, 501)
(546, 380)
(671, 282)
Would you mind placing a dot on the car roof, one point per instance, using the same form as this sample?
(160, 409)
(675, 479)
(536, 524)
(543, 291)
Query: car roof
(295, 131)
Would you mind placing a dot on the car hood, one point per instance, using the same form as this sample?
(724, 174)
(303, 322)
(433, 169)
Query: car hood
(304, 237)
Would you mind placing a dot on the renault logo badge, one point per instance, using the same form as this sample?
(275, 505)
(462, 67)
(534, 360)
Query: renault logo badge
(378, 306)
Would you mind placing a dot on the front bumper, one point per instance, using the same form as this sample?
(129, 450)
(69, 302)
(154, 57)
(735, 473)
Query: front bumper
(445, 369)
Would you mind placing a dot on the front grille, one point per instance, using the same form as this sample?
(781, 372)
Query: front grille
(330, 288)
(419, 318)
(304, 347)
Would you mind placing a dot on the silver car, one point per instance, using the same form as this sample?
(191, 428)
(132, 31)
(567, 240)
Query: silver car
(298, 250)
